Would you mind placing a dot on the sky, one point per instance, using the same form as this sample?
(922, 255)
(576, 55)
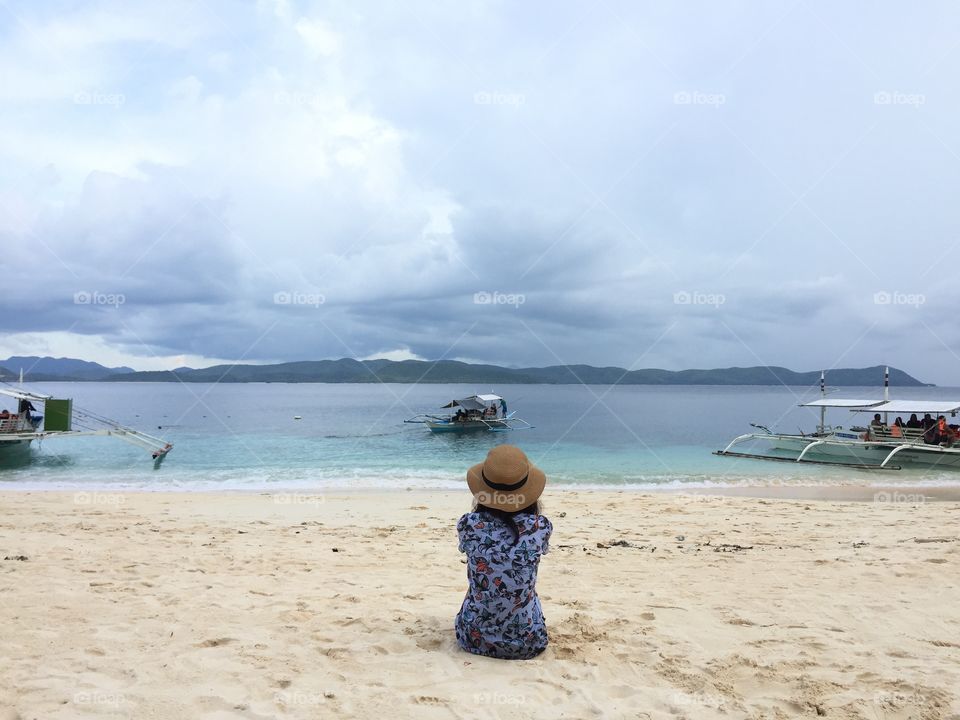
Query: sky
(674, 185)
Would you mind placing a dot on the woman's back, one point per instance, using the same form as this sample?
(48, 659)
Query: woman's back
(501, 614)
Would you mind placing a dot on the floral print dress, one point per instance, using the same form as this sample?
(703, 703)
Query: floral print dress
(501, 615)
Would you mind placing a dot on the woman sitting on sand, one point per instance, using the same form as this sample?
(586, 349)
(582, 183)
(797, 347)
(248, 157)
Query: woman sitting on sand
(503, 538)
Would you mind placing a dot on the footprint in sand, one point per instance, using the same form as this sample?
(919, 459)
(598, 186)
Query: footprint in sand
(217, 642)
(429, 643)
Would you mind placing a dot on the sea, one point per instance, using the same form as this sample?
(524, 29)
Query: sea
(246, 437)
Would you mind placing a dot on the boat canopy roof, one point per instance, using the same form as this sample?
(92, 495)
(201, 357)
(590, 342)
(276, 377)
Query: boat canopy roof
(24, 395)
(474, 402)
(916, 406)
(842, 403)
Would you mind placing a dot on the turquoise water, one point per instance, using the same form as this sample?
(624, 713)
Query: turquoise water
(244, 437)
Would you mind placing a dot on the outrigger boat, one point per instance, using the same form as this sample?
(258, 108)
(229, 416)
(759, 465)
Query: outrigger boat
(57, 420)
(879, 447)
(476, 412)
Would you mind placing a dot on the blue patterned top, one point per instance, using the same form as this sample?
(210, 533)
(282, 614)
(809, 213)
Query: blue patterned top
(501, 615)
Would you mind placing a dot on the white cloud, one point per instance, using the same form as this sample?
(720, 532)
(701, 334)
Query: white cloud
(65, 344)
(318, 37)
(396, 355)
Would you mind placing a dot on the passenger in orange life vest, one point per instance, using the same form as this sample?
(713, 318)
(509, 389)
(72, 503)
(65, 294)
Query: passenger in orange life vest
(896, 430)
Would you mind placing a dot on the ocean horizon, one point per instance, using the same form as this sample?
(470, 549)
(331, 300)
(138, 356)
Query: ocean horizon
(244, 437)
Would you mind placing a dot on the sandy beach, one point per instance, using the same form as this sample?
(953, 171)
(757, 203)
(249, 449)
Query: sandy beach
(203, 606)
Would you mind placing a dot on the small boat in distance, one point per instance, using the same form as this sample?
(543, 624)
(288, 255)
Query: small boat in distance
(57, 419)
(879, 445)
(476, 412)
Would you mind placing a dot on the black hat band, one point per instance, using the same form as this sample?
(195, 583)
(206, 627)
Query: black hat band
(505, 486)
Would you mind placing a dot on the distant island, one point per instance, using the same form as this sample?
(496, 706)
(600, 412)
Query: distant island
(445, 371)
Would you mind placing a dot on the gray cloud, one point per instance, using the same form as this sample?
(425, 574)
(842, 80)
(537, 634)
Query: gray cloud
(602, 165)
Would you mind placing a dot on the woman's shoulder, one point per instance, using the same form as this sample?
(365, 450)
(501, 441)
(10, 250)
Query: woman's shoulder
(472, 518)
(472, 522)
(534, 523)
(484, 521)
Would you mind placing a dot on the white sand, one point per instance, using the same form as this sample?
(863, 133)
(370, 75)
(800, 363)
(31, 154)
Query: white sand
(199, 606)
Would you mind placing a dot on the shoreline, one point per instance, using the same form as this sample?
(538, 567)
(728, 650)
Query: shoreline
(886, 493)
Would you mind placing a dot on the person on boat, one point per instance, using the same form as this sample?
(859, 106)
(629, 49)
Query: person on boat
(914, 422)
(25, 407)
(490, 412)
(896, 430)
(943, 434)
(4, 414)
(504, 538)
(929, 429)
(954, 431)
(877, 421)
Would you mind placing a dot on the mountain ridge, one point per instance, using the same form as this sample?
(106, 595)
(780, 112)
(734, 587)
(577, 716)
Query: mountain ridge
(39, 368)
(347, 370)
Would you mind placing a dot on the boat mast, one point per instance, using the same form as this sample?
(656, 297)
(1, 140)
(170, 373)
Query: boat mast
(823, 409)
(886, 392)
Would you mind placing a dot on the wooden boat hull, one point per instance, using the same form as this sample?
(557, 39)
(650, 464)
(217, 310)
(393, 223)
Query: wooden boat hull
(14, 449)
(469, 426)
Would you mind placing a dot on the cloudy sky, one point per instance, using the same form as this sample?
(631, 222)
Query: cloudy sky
(646, 185)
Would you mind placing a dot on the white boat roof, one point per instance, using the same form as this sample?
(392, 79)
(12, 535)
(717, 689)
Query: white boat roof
(24, 395)
(842, 403)
(474, 402)
(918, 406)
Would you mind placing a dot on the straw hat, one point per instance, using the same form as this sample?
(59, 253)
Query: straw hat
(506, 480)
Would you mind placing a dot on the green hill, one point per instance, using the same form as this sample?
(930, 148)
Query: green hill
(452, 371)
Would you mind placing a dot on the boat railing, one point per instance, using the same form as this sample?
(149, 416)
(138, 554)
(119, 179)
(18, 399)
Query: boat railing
(907, 435)
(15, 424)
